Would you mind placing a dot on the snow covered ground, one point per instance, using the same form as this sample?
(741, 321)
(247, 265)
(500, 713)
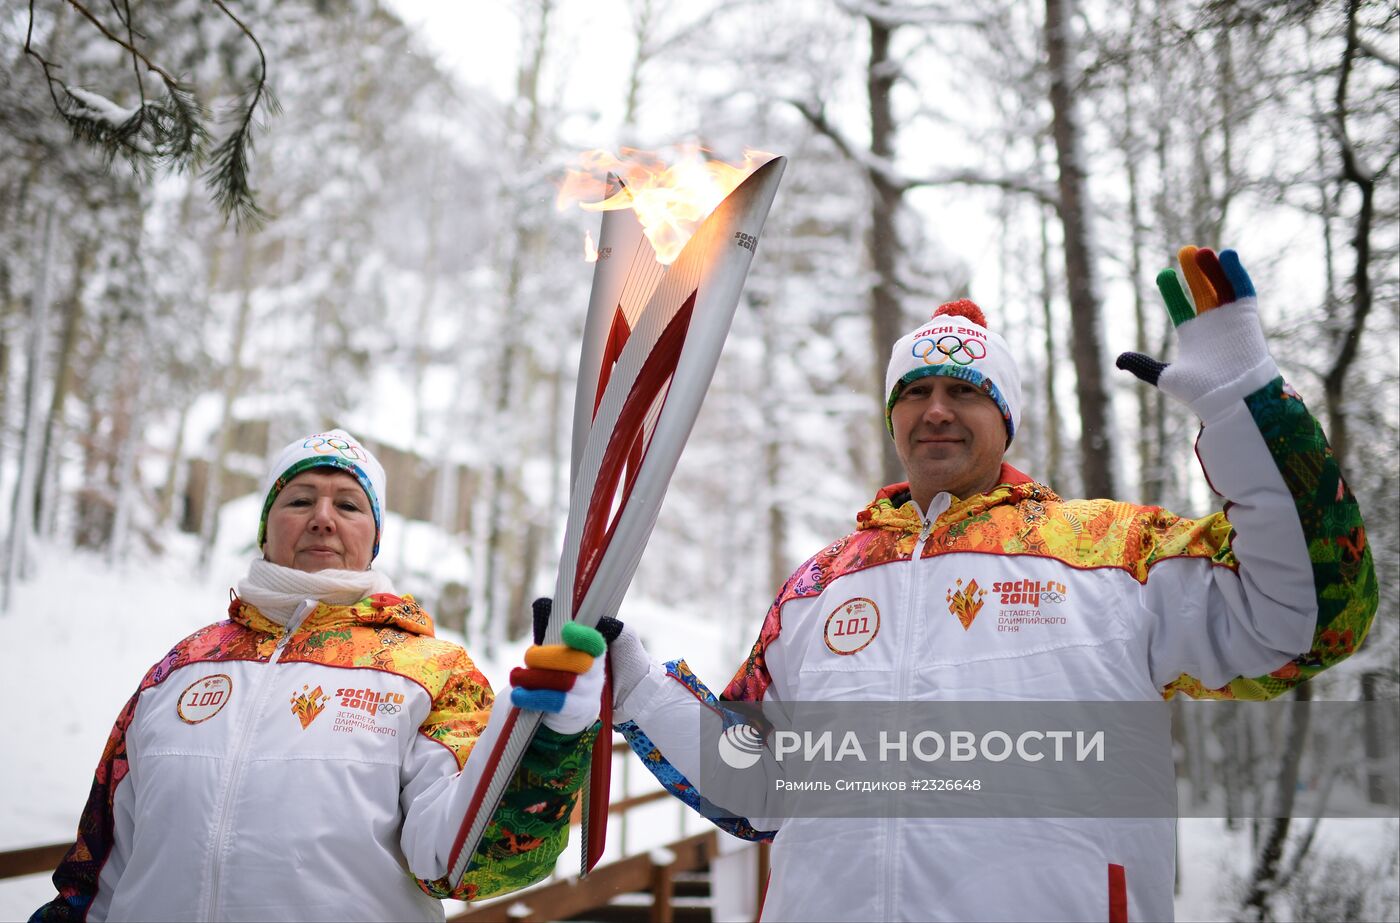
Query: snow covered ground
(83, 632)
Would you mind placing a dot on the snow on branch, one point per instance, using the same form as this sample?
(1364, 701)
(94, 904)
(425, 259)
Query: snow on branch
(99, 108)
(168, 130)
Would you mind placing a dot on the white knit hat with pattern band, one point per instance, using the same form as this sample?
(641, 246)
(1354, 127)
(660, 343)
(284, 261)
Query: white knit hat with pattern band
(335, 449)
(957, 343)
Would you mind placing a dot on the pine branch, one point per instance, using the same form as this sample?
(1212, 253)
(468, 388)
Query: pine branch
(154, 132)
(169, 131)
(228, 168)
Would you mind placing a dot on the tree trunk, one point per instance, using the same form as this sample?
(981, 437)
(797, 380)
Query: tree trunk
(1149, 465)
(1053, 452)
(773, 451)
(1167, 459)
(233, 386)
(22, 504)
(423, 328)
(166, 503)
(125, 477)
(46, 497)
(1096, 446)
(1354, 172)
(886, 314)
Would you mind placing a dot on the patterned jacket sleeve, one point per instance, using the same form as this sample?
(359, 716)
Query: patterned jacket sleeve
(98, 855)
(664, 734)
(1292, 588)
(530, 827)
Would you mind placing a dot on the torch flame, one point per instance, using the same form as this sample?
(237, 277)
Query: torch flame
(670, 201)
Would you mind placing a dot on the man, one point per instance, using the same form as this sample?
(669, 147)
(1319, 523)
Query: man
(1085, 600)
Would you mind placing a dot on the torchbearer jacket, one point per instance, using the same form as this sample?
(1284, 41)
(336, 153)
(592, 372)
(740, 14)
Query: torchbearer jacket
(308, 773)
(1017, 594)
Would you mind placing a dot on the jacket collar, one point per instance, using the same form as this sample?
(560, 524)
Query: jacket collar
(895, 510)
(383, 610)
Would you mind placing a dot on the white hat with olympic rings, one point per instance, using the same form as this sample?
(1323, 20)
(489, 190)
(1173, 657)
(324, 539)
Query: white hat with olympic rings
(957, 343)
(334, 449)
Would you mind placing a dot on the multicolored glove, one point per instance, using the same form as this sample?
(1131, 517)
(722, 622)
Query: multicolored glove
(565, 681)
(1222, 355)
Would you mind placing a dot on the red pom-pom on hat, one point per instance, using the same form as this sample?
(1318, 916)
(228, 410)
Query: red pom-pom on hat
(963, 307)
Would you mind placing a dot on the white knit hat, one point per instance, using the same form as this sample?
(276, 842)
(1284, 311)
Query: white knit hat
(335, 449)
(956, 342)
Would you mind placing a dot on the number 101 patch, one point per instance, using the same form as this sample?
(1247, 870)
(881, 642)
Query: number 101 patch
(852, 625)
(204, 698)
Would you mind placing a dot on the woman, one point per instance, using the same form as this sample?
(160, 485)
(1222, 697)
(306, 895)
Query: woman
(308, 758)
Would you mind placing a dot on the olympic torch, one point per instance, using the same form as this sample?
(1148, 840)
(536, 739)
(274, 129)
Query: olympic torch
(652, 338)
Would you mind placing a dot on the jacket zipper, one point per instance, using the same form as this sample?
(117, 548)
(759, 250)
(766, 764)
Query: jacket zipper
(911, 616)
(236, 771)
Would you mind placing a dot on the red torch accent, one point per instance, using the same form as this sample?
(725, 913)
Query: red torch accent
(624, 452)
(612, 349)
(617, 338)
(627, 436)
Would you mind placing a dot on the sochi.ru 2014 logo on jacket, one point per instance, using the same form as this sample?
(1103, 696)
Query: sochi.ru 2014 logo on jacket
(1029, 592)
(371, 701)
(1024, 601)
(362, 710)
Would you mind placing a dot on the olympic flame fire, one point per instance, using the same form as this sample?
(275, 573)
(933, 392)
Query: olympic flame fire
(670, 200)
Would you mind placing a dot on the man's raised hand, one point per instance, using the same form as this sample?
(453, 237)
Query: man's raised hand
(1222, 355)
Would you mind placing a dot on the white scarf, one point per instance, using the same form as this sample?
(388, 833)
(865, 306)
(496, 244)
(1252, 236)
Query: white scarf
(278, 592)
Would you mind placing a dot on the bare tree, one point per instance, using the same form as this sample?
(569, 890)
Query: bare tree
(1096, 458)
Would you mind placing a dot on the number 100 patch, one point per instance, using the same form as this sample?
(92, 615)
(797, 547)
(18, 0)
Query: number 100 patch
(852, 625)
(204, 698)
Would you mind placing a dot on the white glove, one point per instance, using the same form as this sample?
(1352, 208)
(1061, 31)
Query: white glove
(630, 665)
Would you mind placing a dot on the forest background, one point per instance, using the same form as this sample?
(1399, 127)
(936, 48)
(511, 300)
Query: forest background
(366, 237)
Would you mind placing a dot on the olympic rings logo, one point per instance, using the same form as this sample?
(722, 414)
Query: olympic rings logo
(936, 351)
(325, 444)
